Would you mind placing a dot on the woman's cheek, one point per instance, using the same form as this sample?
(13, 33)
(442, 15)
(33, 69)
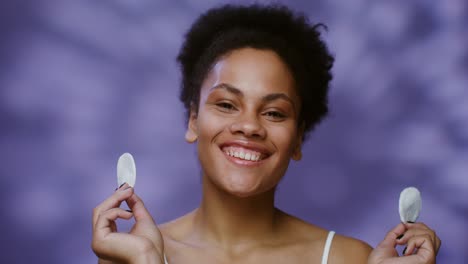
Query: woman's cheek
(285, 136)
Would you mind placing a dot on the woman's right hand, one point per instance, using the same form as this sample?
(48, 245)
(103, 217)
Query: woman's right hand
(422, 245)
(143, 244)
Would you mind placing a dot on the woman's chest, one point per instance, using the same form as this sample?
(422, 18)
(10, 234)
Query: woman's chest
(178, 253)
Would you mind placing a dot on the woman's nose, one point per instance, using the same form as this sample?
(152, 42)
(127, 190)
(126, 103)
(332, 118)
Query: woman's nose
(248, 125)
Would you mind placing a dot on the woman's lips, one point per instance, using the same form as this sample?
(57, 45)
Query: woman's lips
(244, 153)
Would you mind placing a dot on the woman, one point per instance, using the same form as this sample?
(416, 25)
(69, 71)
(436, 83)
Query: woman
(255, 82)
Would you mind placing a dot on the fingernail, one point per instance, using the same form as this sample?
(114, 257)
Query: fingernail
(404, 250)
(400, 236)
(119, 186)
(130, 211)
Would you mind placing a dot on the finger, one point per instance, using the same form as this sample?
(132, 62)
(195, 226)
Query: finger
(421, 225)
(112, 201)
(423, 247)
(139, 210)
(390, 239)
(106, 221)
(416, 230)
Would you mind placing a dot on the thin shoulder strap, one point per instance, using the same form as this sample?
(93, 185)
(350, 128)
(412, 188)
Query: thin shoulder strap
(165, 259)
(326, 249)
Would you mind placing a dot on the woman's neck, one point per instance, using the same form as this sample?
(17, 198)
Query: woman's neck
(228, 220)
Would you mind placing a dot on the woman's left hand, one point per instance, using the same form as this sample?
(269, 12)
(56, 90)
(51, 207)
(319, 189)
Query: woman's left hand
(422, 245)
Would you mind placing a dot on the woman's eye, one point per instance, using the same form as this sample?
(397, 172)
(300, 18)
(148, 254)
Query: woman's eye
(225, 106)
(275, 115)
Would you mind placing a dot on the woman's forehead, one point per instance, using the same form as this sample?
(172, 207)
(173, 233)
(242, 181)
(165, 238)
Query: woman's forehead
(250, 70)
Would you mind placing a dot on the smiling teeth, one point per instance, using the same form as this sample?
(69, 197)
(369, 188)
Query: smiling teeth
(251, 156)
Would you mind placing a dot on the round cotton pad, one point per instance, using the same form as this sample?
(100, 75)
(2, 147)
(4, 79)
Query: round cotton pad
(126, 170)
(410, 204)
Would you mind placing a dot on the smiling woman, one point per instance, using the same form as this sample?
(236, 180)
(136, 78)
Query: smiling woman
(255, 82)
(247, 107)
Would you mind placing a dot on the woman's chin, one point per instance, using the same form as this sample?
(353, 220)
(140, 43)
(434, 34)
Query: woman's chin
(243, 190)
(242, 194)
(241, 185)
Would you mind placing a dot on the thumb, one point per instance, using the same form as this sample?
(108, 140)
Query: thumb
(140, 212)
(390, 240)
(145, 225)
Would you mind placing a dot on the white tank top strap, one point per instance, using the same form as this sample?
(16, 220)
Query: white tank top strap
(165, 259)
(326, 249)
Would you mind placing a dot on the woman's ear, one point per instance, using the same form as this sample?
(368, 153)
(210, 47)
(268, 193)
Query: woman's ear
(297, 154)
(191, 135)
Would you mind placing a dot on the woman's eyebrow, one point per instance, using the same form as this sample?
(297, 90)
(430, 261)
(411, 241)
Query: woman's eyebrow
(276, 96)
(229, 88)
(267, 98)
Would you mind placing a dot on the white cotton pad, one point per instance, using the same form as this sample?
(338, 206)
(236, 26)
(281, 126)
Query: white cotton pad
(410, 204)
(126, 170)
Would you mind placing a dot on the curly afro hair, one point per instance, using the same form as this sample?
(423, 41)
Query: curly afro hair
(274, 27)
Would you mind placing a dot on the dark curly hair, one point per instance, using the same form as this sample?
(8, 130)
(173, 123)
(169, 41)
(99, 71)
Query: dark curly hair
(274, 27)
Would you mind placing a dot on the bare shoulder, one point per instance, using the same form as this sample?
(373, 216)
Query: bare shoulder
(171, 226)
(176, 228)
(348, 250)
(343, 249)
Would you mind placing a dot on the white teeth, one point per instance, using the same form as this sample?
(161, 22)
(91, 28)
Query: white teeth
(242, 155)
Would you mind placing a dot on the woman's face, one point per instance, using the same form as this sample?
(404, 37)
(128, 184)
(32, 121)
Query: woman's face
(246, 125)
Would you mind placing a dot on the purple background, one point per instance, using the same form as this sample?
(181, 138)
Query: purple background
(81, 82)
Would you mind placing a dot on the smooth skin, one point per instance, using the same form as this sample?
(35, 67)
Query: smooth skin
(248, 102)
